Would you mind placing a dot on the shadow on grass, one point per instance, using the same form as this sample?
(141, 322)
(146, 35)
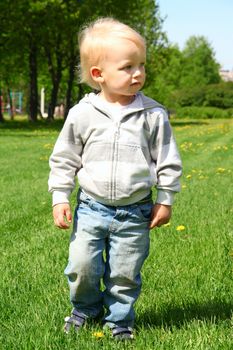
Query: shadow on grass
(23, 127)
(177, 316)
(27, 126)
(186, 122)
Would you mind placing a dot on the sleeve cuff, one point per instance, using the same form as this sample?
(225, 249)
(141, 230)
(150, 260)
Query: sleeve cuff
(60, 197)
(165, 197)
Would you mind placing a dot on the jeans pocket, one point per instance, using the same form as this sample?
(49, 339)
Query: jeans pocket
(83, 199)
(144, 211)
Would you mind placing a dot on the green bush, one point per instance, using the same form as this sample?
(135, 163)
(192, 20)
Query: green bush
(219, 95)
(230, 112)
(214, 95)
(189, 97)
(203, 113)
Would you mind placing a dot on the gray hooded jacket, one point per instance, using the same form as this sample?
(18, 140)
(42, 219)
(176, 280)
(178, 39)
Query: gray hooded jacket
(116, 161)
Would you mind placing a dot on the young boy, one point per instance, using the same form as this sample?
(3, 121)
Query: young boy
(119, 143)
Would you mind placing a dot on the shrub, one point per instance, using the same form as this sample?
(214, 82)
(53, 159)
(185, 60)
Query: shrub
(214, 95)
(230, 112)
(219, 95)
(189, 97)
(203, 113)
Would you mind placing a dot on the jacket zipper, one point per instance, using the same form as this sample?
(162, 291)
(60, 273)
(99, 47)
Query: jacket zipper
(114, 162)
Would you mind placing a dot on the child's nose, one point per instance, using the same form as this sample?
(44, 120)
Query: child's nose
(137, 72)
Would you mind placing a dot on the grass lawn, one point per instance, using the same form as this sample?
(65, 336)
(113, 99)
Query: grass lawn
(186, 301)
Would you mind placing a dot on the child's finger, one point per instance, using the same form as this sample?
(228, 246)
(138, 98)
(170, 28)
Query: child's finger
(61, 223)
(154, 223)
(69, 215)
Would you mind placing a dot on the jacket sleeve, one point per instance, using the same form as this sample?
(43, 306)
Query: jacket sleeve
(167, 159)
(65, 161)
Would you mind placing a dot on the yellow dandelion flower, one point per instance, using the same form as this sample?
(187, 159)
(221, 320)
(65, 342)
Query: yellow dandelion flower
(188, 176)
(184, 186)
(220, 170)
(48, 146)
(180, 228)
(168, 224)
(44, 158)
(98, 334)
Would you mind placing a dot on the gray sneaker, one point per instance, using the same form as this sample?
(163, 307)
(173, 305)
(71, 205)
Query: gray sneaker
(122, 333)
(77, 319)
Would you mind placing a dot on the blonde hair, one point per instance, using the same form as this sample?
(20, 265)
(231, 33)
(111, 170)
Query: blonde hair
(95, 38)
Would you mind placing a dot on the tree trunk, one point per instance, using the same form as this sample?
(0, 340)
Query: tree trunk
(54, 93)
(1, 114)
(55, 71)
(11, 106)
(33, 93)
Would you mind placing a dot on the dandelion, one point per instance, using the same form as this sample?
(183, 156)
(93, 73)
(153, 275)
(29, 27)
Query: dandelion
(98, 335)
(48, 146)
(220, 170)
(188, 176)
(180, 228)
(44, 158)
(186, 146)
(168, 224)
(184, 186)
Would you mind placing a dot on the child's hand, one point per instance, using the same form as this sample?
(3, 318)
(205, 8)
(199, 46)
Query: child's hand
(160, 215)
(62, 215)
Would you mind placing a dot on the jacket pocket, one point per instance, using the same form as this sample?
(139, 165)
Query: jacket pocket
(133, 171)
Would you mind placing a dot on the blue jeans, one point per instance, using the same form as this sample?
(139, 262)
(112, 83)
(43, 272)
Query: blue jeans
(107, 250)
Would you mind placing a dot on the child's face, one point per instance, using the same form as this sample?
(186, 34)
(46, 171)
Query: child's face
(123, 71)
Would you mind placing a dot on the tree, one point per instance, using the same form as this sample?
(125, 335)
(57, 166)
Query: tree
(21, 34)
(9, 59)
(1, 114)
(164, 76)
(38, 31)
(199, 66)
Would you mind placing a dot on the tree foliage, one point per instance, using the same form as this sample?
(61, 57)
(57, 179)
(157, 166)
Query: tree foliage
(184, 74)
(215, 95)
(200, 67)
(43, 33)
(38, 47)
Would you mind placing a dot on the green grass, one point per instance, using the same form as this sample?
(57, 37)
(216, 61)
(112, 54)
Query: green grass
(186, 301)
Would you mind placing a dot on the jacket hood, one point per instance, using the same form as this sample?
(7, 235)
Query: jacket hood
(142, 103)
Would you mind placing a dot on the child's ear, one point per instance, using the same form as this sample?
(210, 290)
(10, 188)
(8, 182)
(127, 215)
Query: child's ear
(96, 74)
